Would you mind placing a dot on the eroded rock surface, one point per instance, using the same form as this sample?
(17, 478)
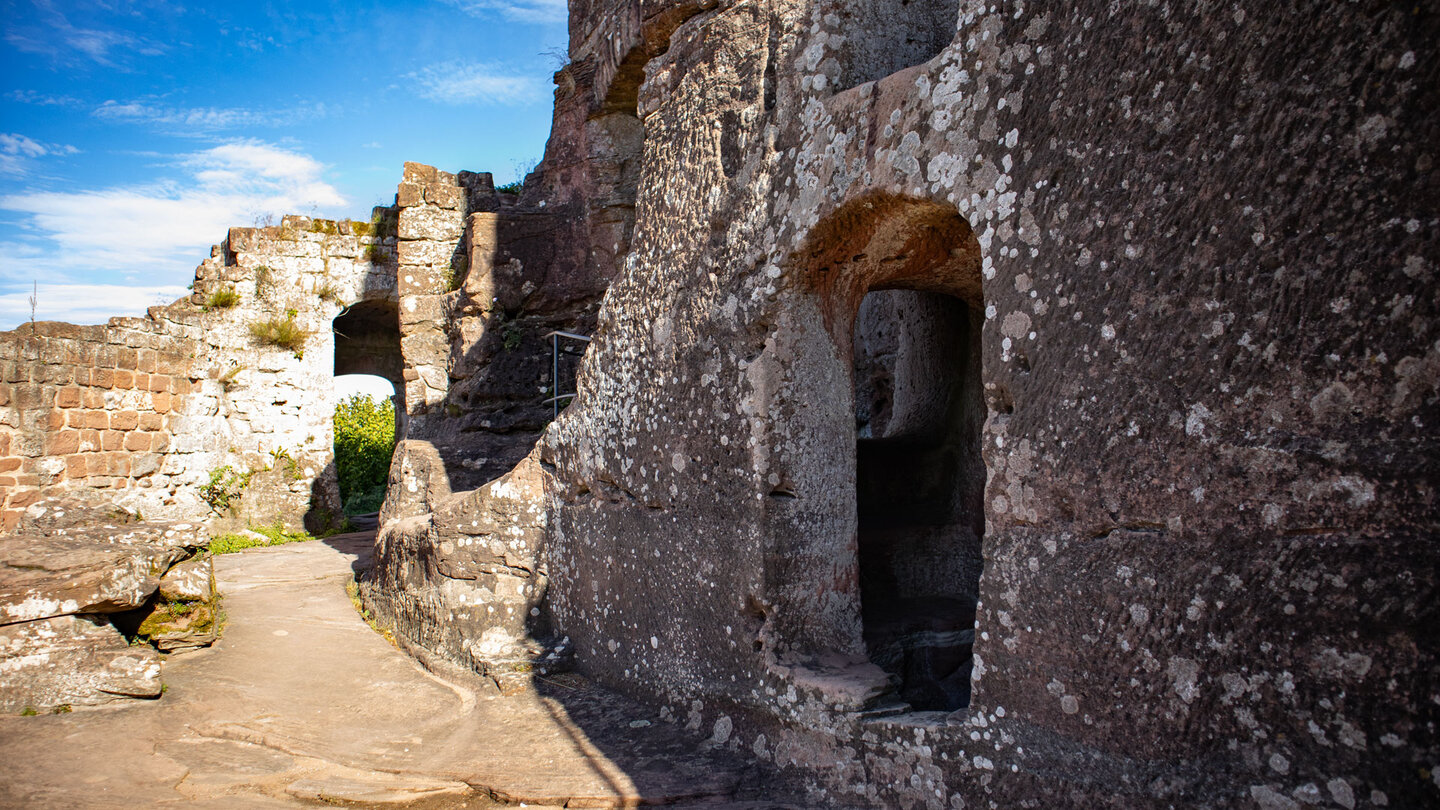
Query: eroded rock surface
(72, 660)
(468, 582)
(87, 597)
(1169, 432)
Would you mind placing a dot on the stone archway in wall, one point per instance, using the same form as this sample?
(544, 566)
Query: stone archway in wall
(367, 341)
(899, 285)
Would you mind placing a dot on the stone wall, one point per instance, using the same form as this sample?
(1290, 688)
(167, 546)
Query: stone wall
(1168, 374)
(1200, 244)
(142, 412)
(97, 408)
(459, 572)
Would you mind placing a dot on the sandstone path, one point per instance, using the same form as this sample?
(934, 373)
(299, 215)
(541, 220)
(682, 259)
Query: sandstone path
(301, 703)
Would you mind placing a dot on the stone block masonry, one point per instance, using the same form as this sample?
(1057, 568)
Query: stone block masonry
(95, 407)
(145, 412)
(232, 387)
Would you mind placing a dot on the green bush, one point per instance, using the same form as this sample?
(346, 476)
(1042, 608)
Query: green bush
(364, 442)
(222, 298)
(224, 488)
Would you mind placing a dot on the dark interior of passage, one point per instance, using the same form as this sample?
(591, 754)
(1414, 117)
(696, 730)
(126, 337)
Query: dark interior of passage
(919, 489)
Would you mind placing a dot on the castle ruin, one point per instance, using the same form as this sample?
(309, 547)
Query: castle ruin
(985, 405)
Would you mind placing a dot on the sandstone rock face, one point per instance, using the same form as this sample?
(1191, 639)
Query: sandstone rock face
(68, 575)
(190, 581)
(178, 627)
(72, 661)
(1087, 355)
(481, 372)
(76, 583)
(1162, 415)
(468, 583)
(483, 278)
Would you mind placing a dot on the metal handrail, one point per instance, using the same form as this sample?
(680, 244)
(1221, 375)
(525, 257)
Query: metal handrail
(555, 367)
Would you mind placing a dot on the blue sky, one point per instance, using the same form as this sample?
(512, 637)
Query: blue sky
(134, 133)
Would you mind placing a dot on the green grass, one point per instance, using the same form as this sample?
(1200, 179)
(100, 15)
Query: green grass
(376, 254)
(223, 298)
(352, 588)
(228, 379)
(282, 333)
(385, 223)
(329, 291)
(276, 535)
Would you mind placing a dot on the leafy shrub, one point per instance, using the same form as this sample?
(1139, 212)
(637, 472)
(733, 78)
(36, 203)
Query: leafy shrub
(224, 488)
(512, 337)
(511, 188)
(292, 467)
(283, 333)
(364, 442)
(223, 298)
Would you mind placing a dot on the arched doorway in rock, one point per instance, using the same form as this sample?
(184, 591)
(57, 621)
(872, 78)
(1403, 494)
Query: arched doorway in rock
(900, 289)
(919, 485)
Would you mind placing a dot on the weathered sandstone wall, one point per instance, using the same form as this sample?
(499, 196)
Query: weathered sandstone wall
(1199, 242)
(94, 407)
(459, 570)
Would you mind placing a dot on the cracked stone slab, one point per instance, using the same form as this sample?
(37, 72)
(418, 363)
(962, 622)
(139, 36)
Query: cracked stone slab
(72, 661)
(55, 576)
(374, 788)
(300, 702)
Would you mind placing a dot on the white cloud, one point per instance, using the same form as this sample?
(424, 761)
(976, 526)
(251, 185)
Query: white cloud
(533, 11)
(53, 35)
(16, 151)
(199, 120)
(469, 82)
(82, 303)
(42, 99)
(152, 236)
